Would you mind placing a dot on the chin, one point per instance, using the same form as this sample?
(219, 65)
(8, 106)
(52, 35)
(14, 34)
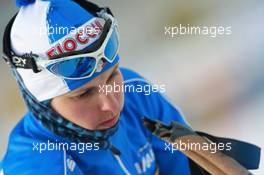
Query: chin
(108, 124)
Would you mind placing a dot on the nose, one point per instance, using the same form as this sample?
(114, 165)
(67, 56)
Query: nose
(108, 103)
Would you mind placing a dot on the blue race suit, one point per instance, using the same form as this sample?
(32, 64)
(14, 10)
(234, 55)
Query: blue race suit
(141, 152)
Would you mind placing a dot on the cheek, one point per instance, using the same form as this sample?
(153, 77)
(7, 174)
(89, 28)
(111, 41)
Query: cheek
(119, 96)
(78, 110)
(79, 113)
(85, 115)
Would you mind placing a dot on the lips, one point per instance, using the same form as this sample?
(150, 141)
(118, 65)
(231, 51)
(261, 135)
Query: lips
(110, 122)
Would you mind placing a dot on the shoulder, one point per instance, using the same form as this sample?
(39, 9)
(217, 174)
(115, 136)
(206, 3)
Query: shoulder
(147, 99)
(131, 76)
(140, 91)
(23, 156)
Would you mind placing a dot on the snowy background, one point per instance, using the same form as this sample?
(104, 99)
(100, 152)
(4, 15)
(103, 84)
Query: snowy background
(217, 83)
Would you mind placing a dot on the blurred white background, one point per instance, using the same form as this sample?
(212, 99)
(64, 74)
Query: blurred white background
(217, 83)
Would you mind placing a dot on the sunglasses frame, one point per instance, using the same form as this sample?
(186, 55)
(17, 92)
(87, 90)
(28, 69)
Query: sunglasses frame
(97, 51)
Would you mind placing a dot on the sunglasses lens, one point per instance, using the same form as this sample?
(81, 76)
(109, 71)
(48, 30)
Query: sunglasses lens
(74, 68)
(111, 46)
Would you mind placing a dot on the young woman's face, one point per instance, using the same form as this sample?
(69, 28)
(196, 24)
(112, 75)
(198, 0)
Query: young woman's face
(89, 106)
